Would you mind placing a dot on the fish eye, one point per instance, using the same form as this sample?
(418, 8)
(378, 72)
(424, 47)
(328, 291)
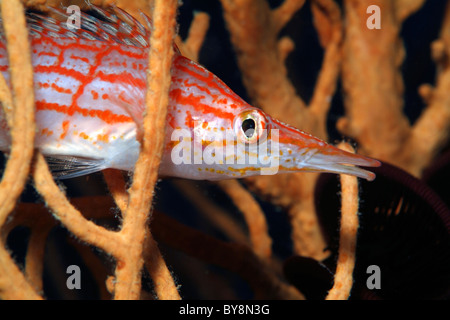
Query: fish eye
(248, 127)
(251, 126)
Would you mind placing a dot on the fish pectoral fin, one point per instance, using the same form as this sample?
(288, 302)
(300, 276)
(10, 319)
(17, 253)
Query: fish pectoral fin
(65, 167)
(135, 110)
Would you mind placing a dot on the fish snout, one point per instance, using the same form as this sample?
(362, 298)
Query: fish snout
(332, 159)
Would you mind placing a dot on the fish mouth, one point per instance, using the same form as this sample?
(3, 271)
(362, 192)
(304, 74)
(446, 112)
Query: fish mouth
(335, 160)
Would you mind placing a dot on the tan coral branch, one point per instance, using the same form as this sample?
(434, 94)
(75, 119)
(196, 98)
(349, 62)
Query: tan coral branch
(134, 228)
(13, 284)
(432, 130)
(343, 279)
(404, 8)
(372, 82)
(191, 46)
(372, 77)
(328, 23)
(117, 187)
(285, 46)
(163, 282)
(231, 256)
(253, 214)
(23, 129)
(254, 34)
(234, 257)
(154, 261)
(68, 215)
(283, 14)
(261, 62)
(34, 260)
(7, 101)
(213, 213)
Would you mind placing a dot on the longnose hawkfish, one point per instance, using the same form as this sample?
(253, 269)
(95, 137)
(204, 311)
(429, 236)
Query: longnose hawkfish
(90, 86)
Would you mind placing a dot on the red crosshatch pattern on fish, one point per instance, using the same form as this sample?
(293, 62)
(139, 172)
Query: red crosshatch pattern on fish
(90, 86)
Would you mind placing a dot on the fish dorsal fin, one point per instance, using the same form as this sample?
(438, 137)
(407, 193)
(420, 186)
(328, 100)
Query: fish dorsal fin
(65, 167)
(112, 25)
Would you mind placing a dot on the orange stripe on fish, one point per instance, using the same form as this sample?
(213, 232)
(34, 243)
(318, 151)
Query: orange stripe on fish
(90, 92)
